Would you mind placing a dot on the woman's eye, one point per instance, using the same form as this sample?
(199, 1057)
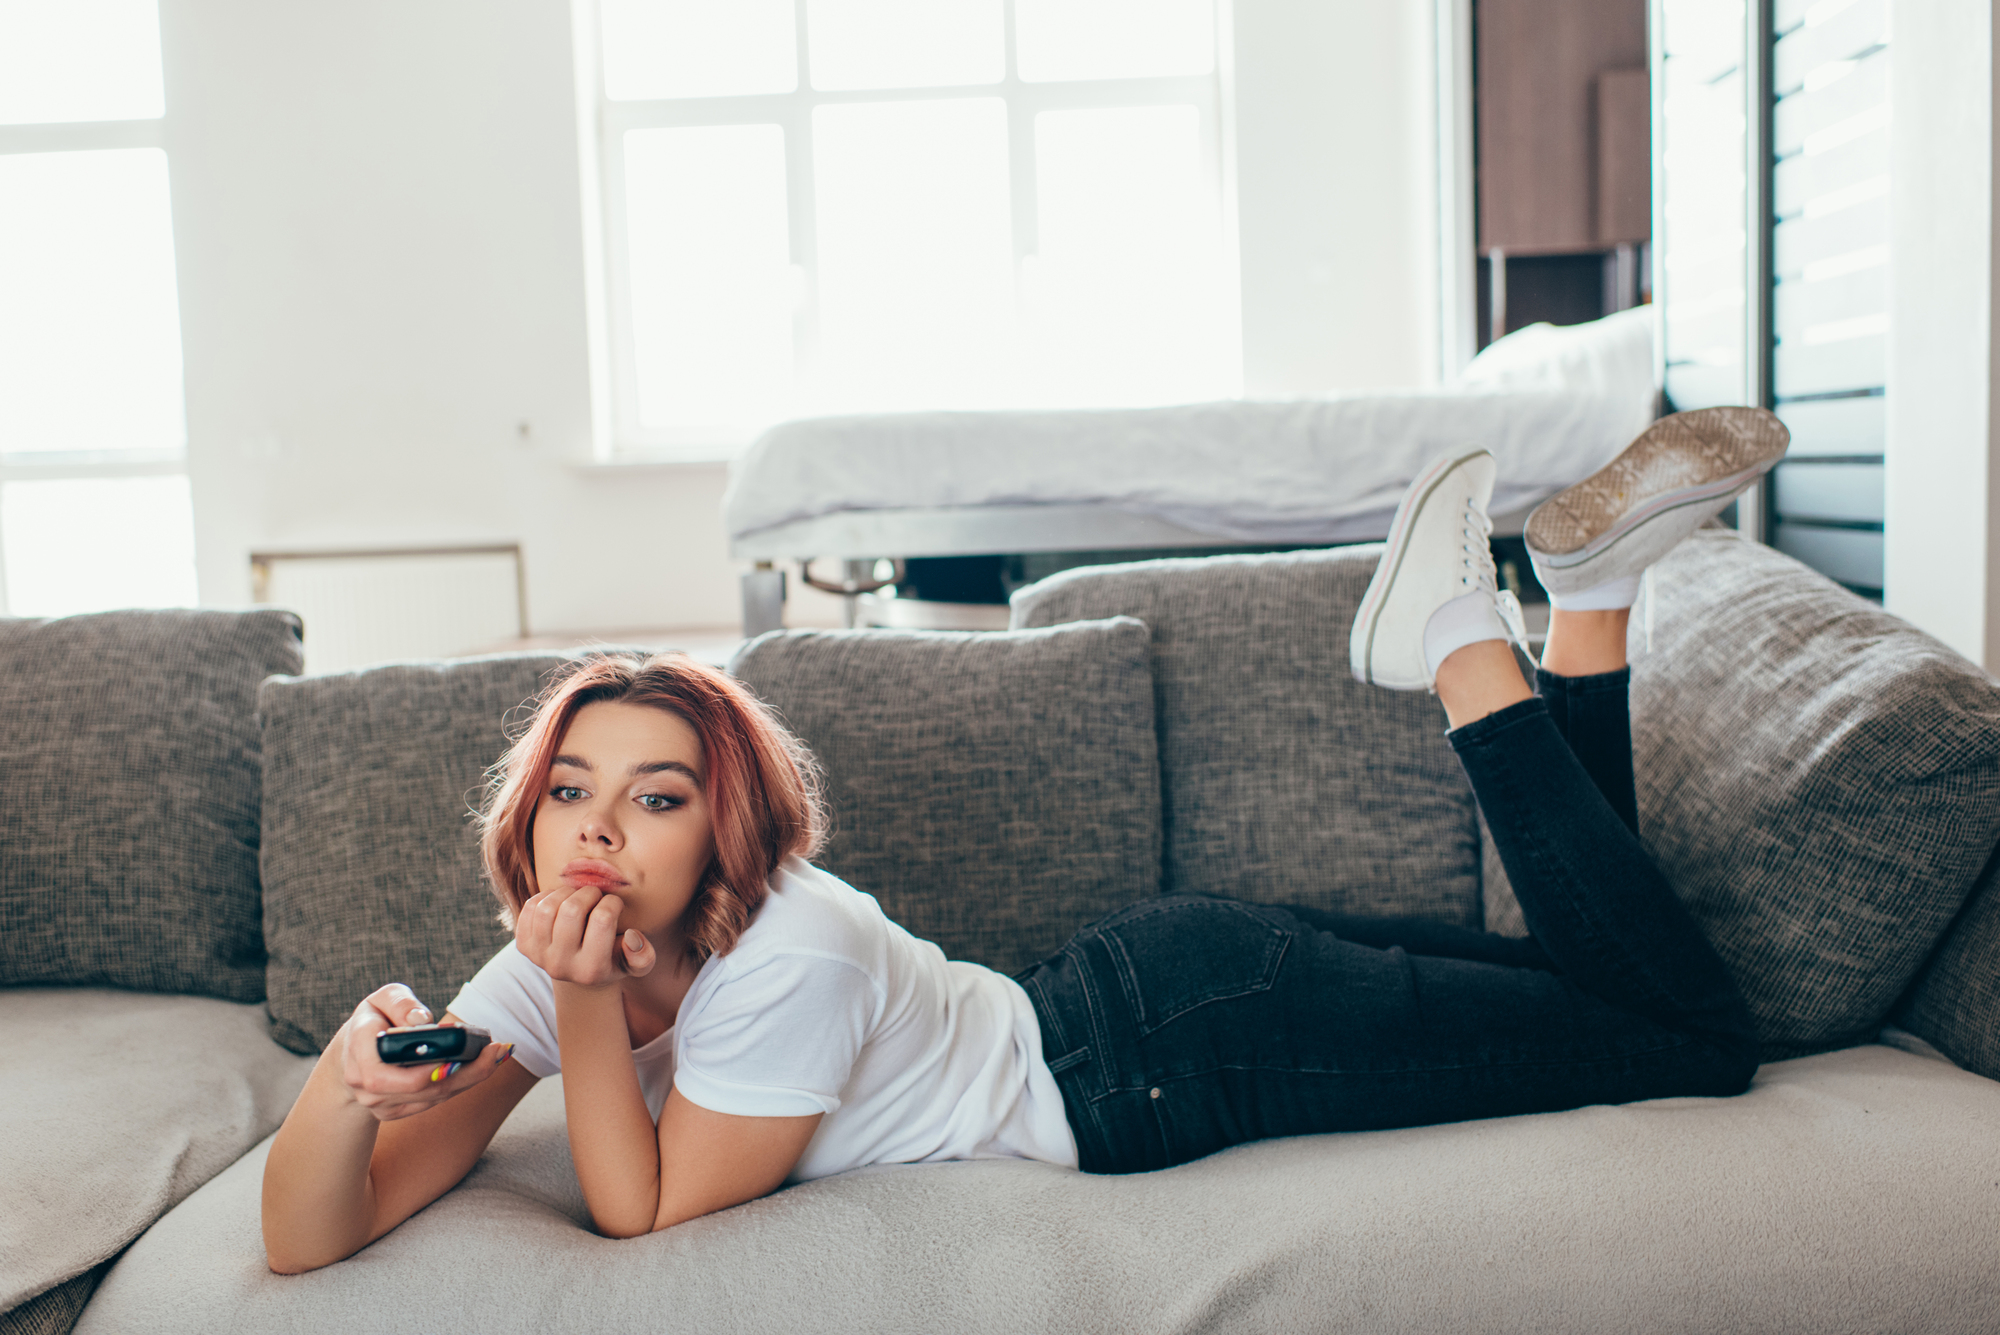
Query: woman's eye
(562, 793)
(658, 802)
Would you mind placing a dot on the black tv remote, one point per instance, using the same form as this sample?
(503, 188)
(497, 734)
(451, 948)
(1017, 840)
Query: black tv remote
(418, 1044)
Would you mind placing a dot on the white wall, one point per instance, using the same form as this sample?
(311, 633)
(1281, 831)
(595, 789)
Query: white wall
(1336, 183)
(380, 254)
(1943, 451)
(379, 236)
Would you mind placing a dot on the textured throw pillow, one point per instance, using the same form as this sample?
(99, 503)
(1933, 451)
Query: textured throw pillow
(371, 859)
(128, 841)
(1819, 780)
(1284, 780)
(995, 792)
(1955, 1005)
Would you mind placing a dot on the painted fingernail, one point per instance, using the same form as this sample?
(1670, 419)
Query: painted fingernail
(452, 1070)
(503, 1052)
(439, 1073)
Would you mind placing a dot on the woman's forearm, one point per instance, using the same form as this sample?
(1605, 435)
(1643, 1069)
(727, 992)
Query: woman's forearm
(613, 1139)
(319, 1202)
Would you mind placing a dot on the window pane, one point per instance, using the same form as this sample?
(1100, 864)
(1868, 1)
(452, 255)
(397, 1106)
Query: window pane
(90, 348)
(905, 43)
(712, 289)
(89, 545)
(79, 60)
(1126, 298)
(1113, 39)
(915, 254)
(699, 48)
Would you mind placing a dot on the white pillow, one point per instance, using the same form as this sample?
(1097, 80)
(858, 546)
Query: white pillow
(1611, 357)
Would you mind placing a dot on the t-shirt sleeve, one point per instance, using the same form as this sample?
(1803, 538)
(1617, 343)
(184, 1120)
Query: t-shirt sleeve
(778, 1039)
(512, 998)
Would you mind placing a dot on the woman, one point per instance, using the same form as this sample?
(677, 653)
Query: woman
(728, 1017)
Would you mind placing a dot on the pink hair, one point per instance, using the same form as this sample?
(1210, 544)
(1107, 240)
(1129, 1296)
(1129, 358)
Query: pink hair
(762, 786)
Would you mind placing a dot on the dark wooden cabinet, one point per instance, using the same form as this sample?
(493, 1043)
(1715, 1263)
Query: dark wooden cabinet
(1564, 153)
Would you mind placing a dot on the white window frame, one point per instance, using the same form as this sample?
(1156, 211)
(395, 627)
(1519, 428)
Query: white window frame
(52, 465)
(620, 437)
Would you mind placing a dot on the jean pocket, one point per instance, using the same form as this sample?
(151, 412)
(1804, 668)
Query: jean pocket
(1175, 956)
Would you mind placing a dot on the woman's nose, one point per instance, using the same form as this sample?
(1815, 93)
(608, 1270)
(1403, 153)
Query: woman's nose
(600, 831)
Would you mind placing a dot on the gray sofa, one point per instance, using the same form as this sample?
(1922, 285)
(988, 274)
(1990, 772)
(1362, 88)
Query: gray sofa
(206, 859)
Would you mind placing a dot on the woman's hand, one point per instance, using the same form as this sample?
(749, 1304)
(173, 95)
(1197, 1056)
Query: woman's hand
(393, 1092)
(338, 1177)
(572, 933)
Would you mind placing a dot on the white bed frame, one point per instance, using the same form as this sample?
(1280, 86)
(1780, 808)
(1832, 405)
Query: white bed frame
(981, 530)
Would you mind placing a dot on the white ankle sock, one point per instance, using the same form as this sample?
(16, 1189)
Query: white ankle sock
(1606, 597)
(1466, 619)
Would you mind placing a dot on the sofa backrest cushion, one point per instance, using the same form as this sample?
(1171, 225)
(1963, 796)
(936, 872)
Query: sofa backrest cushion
(994, 792)
(128, 840)
(371, 858)
(1955, 1005)
(1283, 780)
(1819, 780)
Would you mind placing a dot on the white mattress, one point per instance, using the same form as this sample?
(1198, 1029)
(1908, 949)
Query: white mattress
(1551, 404)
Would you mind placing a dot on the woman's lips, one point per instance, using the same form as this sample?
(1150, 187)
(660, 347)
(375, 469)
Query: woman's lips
(590, 871)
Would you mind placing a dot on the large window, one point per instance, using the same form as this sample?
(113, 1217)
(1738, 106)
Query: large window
(94, 506)
(824, 206)
(1775, 242)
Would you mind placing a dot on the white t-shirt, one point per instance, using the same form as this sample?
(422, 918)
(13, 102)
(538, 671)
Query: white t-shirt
(825, 1006)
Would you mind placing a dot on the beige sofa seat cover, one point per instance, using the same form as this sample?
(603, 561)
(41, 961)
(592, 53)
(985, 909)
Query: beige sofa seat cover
(1857, 1190)
(113, 1107)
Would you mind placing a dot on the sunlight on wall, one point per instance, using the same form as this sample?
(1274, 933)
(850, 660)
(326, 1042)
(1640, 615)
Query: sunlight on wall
(92, 544)
(90, 342)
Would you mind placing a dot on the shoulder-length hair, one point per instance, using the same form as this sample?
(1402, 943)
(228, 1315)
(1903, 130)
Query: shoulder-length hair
(762, 786)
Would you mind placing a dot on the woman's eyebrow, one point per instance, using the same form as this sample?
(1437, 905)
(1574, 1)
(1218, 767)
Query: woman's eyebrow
(574, 762)
(667, 766)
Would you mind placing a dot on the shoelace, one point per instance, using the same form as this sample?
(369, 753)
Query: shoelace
(1516, 623)
(1477, 551)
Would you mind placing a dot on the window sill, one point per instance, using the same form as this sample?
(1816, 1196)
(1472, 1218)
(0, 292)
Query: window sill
(650, 463)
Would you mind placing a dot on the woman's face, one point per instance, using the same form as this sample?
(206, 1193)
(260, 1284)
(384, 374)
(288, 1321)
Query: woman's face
(625, 810)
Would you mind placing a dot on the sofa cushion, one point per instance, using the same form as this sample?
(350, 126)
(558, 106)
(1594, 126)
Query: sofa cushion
(995, 792)
(1955, 1004)
(128, 843)
(1819, 780)
(1851, 1191)
(1284, 780)
(118, 1105)
(371, 859)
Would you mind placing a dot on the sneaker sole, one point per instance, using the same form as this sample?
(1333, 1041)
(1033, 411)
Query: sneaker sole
(1361, 639)
(1588, 520)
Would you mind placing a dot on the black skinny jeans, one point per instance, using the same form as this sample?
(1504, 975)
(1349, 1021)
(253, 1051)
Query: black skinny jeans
(1186, 1024)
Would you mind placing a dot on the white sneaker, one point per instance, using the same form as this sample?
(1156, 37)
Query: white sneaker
(1437, 559)
(1679, 473)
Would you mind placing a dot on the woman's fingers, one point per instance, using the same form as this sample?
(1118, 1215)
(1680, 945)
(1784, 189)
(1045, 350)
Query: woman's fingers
(411, 1011)
(445, 1079)
(572, 917)
(457, 1078)
(583, 934)
(572, 933)
(532, 923)
(393, 1092)
(387, 1007)
(637, 952)
(550, 924)
(600, 937)
(397, 1004)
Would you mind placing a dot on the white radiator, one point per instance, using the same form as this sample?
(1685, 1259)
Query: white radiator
(363, 607)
